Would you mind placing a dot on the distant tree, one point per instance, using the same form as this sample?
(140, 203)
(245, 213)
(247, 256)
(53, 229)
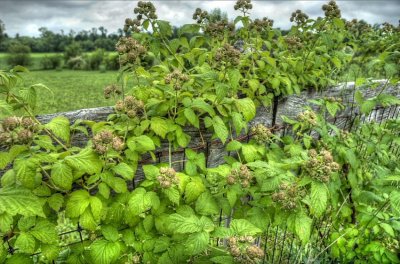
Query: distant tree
(19, 54)
(216, 15)
(73, 50)
(2, 30)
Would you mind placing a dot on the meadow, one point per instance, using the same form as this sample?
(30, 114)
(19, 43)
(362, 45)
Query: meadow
(71, 90)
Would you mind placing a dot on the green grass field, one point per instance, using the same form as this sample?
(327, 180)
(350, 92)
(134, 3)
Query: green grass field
(71, 89)
(35, 57)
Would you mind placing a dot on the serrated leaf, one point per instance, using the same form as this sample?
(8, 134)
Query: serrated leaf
(110, 232)
(233, 145)
(185, 225)
(246, 107)
(141, 201)
(197, 243)
(6, 221)
(303, 227)
(395, 202)
(142, 144)
(206, 204)
(192, 117)
(56, 201)
(159, 126)
(220, 129)
(60, 127)
(25, 243)
(20, 201)
(77, 203)
(105, 252)
(124, 170)
(45, 232)
(172, 194)
(249, 152)
(243, 227)
(193, 190)
(61, 175)
(85, 161)
(25, 172)
(319, 198)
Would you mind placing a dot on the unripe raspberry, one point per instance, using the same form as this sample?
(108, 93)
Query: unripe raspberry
(131, 113)
(235, 251)
(10, 123)
(27, 122)
(163, 170)
(255, 252)
(119, 106)
(118, 144)
(230, 180)
(24, 136)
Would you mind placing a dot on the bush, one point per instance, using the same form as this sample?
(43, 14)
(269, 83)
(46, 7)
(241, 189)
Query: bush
(95, 59)
(72, 51)
(19, 54)
(112, 62)
(77, 63)
(51, 62)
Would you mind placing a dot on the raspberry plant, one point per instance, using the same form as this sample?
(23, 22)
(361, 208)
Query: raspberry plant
(334, 191)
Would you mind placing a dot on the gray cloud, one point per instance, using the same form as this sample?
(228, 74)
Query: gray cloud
(26, 17)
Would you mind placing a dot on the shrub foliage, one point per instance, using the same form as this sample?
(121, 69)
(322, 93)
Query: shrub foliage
(211, 78)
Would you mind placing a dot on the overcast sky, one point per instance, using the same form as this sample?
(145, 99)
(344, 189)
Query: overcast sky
(25, 17)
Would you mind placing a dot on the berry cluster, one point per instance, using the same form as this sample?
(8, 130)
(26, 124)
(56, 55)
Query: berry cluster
(309, 117)
(146, 9)
(218, 29)
(133, 24)
(244, 252)
(261, 134)
(288, 196)
(111, 91)
(293, 42)
(320, 166)
(243, 5)
(331, 10)
(130, 106)
(17, 130)
(130, 50)
(200, 16)
(177, 79)
(358, 27)
(105, 141)
(167, 178)
(227, 55)
(299, 17)
(242, 176)
(332, 99)
(261, 24)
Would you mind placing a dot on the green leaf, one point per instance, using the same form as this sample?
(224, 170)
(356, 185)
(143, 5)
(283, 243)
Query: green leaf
(142, 144)
(206, 204)
(124, 170)
(233, 145)
(20, 201)
(200, 104)
(96, 207)
(246, 107)
(192, 117)
(194, 189)
(388, 229)
(185, 225)
(222, 260)
(254, 84)
(238, 122)
(303, 227)
(110, 233)
(243, 227)
(249, 152)
(159, 126)
(151, 172)
(44, 142)
(56, 201)
(319, 198)
(85, 161)
(25, 243)
(77, 203)
(105, 252)
(197, 243)
(395, 202)
(45, 232)
(172, 195)
(220, 129)
(61, 175)
(234, 77)
(367, 106)
(60, 127)
(6, 221)
(189, 29)
(141, 201)
(25, 173)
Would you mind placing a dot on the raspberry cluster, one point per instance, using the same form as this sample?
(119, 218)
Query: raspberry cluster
(111, 91)
(244, 252)
(293, 42)
(331, 10)
(133, 24)
(143, 10)
(261, 24)
(167, 178)
(243, 176)
(299, 17)
(218, 29)
(261, 134)
(288, 196)
(243, 5)
(227, 55)
(358, 27)
(130, 50)
(130, 106)
(17, 130)
(309, 117)
(105, 141)
(177, 79)
(200, 16)
(320, 166)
